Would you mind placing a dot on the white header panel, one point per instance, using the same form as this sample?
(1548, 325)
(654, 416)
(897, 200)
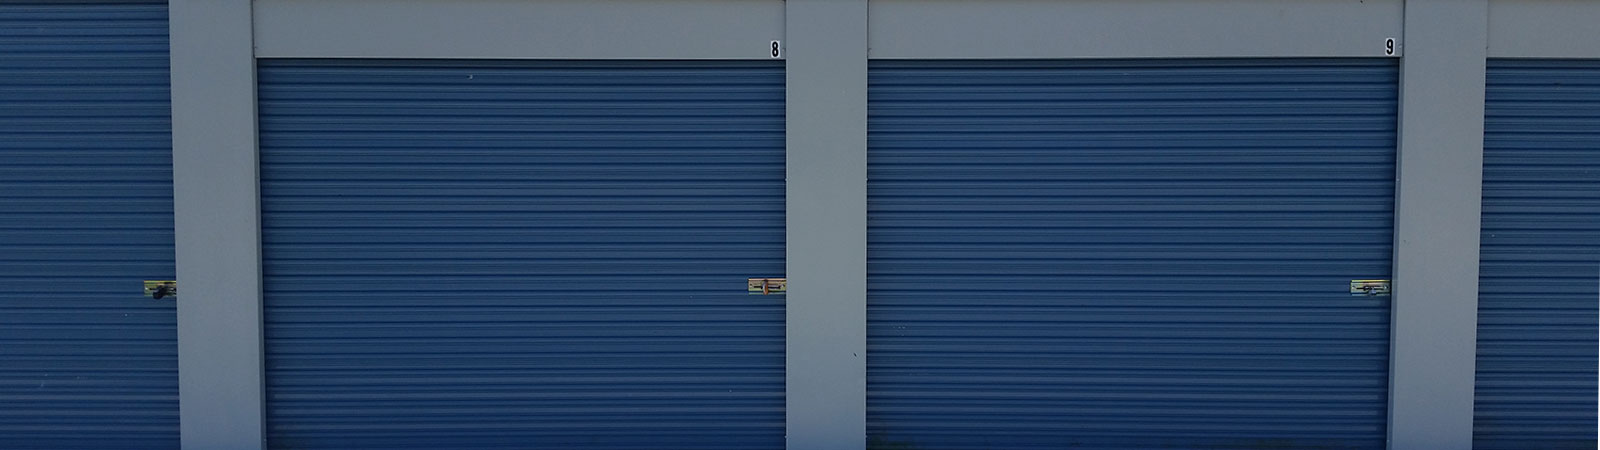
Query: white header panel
(960, 29)
(1544, 29)
(508, 29)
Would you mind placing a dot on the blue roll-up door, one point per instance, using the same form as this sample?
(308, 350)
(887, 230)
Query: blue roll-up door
(1129, 254)
(522, 254)
(86, 360)
(1539, 284)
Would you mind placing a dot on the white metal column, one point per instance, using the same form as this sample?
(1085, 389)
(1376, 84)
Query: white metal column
(826, 52)
(1439, 196)
(218, 225)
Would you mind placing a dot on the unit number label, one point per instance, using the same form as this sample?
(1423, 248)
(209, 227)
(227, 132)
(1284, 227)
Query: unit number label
(1388, 47)
(776, 49)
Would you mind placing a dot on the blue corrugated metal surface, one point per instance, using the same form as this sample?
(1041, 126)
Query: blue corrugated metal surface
(1539, 285)
(522, 254)
(85, 216)
(1129, 254)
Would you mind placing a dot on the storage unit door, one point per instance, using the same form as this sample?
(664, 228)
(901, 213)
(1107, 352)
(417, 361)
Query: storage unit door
(1539, 285)
(1129, 254)
(522, 254)
(86, 360)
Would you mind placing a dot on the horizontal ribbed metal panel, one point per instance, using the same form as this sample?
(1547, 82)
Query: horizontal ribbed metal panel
(86, 361)
(1128, 254)
(522, 254)
(1539, 282)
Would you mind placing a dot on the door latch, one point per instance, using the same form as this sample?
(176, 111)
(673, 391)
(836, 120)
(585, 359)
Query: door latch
(1369, 288)
(768, 286)
(159, 289)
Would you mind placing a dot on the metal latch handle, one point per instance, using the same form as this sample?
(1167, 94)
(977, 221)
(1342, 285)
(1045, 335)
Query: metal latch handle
(1369, 288)
(159, 289)
(768, 286)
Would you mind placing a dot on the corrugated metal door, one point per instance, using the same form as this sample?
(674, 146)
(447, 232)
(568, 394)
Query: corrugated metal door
(522, 254)
(1539, 288)
(1129, 254)
(86, 361)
